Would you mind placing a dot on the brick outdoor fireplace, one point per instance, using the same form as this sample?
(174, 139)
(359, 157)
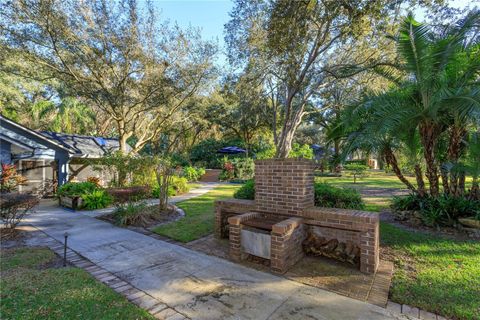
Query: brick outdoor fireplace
(282, 223)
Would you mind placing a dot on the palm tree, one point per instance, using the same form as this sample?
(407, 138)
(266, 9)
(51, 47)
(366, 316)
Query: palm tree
(70, 116)
(440, 81)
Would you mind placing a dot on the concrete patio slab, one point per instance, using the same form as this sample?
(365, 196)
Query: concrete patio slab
(192, 283)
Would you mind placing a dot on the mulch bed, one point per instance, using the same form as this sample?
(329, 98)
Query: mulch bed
(151, 216)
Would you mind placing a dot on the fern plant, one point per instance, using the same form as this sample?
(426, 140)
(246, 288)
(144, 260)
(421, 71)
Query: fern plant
(96, 199)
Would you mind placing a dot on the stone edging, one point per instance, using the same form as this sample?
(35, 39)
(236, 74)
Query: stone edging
(412, 312)
(140, 298)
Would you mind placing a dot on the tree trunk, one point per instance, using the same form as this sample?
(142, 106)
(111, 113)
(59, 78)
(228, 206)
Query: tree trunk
(274, 125)
(453, 154)
(429, 136)
(163, 174)
(284, 145)
(446, 187)
(420, 182)
(123, 144)
(392, 161)
(461, 185)
(475, 191)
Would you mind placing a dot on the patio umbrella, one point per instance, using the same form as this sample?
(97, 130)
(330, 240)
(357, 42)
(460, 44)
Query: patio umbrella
(231, 150)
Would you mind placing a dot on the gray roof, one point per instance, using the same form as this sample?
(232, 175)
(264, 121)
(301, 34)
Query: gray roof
(83, 146)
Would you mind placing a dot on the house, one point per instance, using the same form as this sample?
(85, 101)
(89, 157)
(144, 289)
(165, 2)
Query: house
(42, 155)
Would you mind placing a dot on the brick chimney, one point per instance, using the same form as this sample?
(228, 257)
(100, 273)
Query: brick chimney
(284, 186)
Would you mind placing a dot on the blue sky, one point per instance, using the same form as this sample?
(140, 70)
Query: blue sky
(211, 15)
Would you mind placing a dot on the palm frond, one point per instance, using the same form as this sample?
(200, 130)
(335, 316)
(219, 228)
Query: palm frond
(413, 44)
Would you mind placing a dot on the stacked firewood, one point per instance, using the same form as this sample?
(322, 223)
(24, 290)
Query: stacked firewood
(343, 251)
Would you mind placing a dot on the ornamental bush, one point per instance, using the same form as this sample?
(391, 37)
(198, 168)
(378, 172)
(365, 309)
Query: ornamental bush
(178, 185)
(76, 189)
(325, 196)
(444, 210)
(356, 170)
(246, 191)
(15, 206)
(130, 213)
(96, 199)
(192, 173)
(335, 197)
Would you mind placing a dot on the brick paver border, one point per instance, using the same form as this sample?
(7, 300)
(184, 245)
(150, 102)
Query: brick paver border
(412, 312)
(155, 307)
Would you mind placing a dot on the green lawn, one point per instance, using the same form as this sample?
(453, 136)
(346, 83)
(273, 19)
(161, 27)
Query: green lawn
(194, 185)
(31, 291)
(374, 179)
(199, 215)
(433, 273)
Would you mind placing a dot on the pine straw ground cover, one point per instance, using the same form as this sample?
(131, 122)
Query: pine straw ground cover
(434, 273)
(34, 286)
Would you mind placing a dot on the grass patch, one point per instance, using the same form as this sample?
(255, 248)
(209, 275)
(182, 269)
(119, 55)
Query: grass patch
(433, 273)
(374, 179)
(28, 292)
(377, 204)
(194, 185)
(199, 215)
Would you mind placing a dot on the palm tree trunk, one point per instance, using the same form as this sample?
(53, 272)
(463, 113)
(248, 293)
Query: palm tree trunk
(475, 191)
(461, 185)
(392, 161)
(429, 136)
(457, 134)
(420, 182)
(446, 187)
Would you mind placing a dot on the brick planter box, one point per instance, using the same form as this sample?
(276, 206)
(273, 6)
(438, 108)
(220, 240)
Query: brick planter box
(284, 190)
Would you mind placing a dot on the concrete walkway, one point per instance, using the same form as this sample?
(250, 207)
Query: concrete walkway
(195, 284)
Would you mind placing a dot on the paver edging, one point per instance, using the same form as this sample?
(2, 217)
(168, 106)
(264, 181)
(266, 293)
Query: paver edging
(142, 299)
(413, 312)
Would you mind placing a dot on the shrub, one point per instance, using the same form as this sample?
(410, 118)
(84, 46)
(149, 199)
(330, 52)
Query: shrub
(356, 170)
(122, 195)
(246, 191)
(334, 197)
(179, 159)
(404, 203)
(192, 173)
(325, 196)
(178, 185)
(301, 151)
(96, 199)
(10, 178)
(243, 168)
(228, 172)
(266, 153)
(132, 214)
(443, 210)
(14, 207)
(76, 189)
(237, 168)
